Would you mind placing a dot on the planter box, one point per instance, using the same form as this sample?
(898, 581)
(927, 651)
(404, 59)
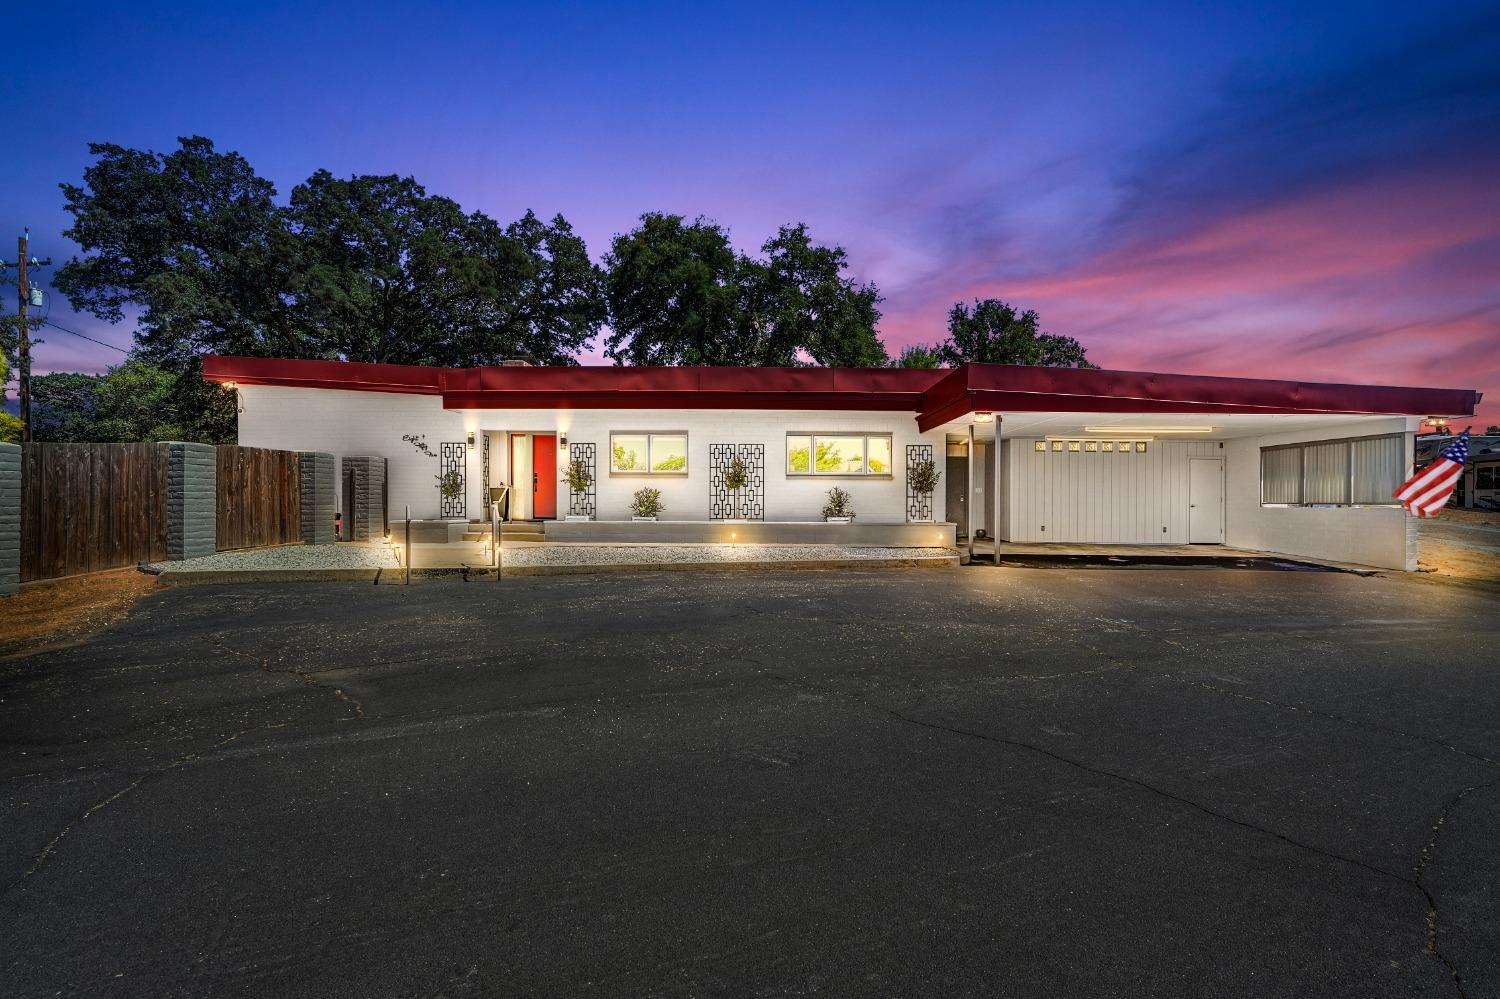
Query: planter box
(929, 520)
(838, 520)
(644, 520)
(578, 518)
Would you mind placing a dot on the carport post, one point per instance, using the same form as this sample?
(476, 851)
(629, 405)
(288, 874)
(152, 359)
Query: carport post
(969, 513)
(408, 544)
(997, 501)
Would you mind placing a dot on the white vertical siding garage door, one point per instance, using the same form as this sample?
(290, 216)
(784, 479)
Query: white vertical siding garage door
(1101, 497)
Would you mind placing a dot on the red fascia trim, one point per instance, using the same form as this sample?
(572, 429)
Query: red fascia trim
(792, 382)
(408, 379)
(1013, 388)
(908, 402)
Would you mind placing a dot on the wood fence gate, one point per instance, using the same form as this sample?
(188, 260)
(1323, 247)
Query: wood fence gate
(259, 497)
(86, 507)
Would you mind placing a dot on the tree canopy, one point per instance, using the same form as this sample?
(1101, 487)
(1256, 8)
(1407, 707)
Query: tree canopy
(134, 401)
(992, 332)
(371, 268)
(679, 293)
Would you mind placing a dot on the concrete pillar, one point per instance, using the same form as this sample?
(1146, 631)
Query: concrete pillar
(191, 500)
(317, 473)
(10, 519)
(365, 510)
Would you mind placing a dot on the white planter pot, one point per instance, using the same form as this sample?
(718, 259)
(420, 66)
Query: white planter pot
(839, 520)
(577, 518)
(644, 520)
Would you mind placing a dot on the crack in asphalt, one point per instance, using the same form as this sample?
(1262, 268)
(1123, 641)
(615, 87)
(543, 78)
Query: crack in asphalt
(1428, 852)
(1415, 881)
(309, 679)
(150, 776)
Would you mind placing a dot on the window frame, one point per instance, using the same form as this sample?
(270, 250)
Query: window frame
(812, 452)
(648, 471)
(1349, 472)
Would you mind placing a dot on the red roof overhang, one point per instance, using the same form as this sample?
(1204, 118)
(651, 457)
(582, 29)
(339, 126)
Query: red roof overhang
(1005, 388)
(407, 379)
(938, 396)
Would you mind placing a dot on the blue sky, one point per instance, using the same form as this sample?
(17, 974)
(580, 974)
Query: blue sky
(1232, 189)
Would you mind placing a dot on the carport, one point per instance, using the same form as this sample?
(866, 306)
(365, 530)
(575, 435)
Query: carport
(1172, 460)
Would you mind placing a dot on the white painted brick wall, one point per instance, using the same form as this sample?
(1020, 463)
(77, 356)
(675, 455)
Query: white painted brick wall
(372, 423)
(1376, 536)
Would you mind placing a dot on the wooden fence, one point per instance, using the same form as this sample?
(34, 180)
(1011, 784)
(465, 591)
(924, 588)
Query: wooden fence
(86, 507)
(259, 497)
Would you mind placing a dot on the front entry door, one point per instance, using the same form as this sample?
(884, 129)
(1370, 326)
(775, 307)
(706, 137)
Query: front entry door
(1206, 501)
(544, 476)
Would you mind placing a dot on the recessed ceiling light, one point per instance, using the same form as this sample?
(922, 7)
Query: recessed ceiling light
(1127, 431)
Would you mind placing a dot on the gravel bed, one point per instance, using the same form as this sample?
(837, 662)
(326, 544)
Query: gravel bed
(578, 554)
(290, 557)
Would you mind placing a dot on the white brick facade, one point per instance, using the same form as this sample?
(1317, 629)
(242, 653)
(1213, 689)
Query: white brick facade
(373, 423)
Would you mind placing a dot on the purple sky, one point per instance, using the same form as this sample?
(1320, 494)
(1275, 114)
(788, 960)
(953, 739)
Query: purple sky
(1222, 189)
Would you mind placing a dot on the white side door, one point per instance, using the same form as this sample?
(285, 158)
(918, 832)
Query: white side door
(1206, 501)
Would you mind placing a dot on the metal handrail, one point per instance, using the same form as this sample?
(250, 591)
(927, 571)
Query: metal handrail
(495, 505)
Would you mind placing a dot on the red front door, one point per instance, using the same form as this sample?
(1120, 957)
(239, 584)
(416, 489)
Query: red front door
(544, 476)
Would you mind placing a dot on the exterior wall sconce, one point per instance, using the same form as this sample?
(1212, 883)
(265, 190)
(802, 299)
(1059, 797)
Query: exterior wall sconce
(469, 441)
(562, 441)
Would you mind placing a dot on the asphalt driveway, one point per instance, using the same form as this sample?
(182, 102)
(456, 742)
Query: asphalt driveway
(893, 782)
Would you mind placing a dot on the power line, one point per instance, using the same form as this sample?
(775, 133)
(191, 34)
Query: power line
(82, 336)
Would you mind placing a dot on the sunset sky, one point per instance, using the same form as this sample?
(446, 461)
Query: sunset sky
(1232, 189)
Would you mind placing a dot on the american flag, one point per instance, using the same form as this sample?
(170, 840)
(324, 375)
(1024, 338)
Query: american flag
(1425, 493)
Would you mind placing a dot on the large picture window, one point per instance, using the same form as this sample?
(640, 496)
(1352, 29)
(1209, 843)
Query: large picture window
(643, 453)
(838, 454)
(1360, 471)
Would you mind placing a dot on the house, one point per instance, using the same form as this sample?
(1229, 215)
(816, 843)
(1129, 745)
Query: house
(1027, 454)
(1480, 483)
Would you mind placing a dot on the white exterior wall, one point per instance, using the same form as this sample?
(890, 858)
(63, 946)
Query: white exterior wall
(1099, 497)
(358, 423)
(1377, 536)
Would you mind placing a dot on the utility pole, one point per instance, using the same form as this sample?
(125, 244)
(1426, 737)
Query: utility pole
(23, 351)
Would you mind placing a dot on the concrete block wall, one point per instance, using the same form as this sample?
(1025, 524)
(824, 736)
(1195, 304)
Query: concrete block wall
(367, 511)
(316, 470)
(10, 519)
(191, 500)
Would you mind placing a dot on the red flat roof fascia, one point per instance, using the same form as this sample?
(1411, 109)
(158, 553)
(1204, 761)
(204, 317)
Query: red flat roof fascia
(909, 402)
(659, 381)
(407, 379)
(1015, 388)
(939, 395)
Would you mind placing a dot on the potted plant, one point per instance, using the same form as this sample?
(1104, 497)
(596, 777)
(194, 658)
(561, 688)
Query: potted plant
(840, 507)
(579, 480)
(923, 479)
(646, 504)
(736, 477)
(449, 484)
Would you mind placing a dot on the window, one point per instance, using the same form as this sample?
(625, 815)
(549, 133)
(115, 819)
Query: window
(648, 454)
(838, 454)
(1487, 477)
(1353, 472)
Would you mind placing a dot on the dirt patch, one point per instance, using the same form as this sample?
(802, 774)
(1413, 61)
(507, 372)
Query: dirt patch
(1459, 563)
(1460, 515)
(67, 610)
